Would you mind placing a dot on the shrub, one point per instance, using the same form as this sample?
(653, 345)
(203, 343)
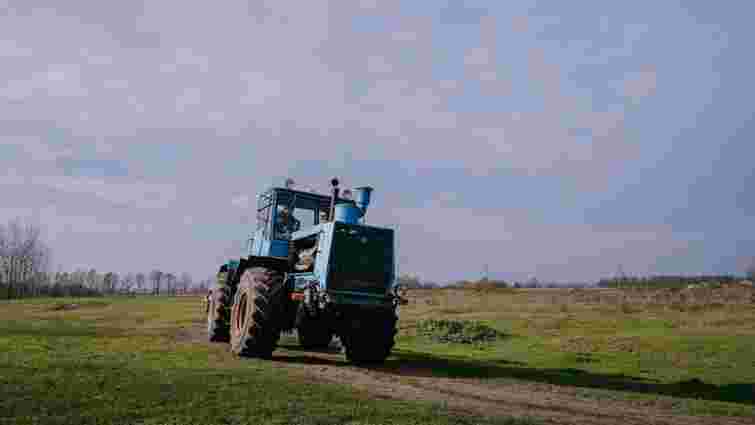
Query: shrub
(456, 331)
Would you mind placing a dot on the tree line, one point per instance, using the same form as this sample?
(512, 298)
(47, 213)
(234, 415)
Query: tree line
(25, 272)
(413, 281)
(670, 281)
(25, 260)
(86, 283)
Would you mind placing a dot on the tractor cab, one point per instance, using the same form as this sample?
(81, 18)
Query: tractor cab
(280, 213)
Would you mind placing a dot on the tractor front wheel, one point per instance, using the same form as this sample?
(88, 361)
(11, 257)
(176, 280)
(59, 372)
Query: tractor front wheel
(255, 321)
(313, 331)
(369, 336)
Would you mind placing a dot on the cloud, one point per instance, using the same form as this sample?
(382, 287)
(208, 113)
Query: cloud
(520, 24)
(478, 56)
(130, 118)
(93, 168)
(132, 194)
(513, 243)
(241, 201)
(640, 85)
(265, 98)
(13, 49)
(58, 80)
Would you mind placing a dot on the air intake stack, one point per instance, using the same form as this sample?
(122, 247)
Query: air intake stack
(362, 198)
(352, 211)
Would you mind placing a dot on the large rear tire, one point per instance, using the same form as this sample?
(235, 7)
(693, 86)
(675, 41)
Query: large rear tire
(219, 311)
(369, 336)
(255, 321)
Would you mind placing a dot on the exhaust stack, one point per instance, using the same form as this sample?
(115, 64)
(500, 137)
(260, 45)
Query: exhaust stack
(334, 196)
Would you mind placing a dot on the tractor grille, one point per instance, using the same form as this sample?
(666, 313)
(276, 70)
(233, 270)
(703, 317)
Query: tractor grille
(361, 259)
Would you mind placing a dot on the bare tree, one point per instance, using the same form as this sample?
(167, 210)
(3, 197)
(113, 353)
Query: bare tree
(140, 279)
(156, 276)
(107, 281)
(26, 256)
(91, 279)
(115, 282)
(99, 282)
(185, 281)
(110, 282)
(204, 285)
(170, 282)
(128, 281)
(79, 277)
(533, 283)
(750, 269)
(167, 281)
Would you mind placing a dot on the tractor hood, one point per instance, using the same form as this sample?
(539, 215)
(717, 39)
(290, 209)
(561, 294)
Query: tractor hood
(360, 259)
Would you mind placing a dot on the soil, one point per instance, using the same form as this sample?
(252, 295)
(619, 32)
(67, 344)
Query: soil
(415, 380)
(64, 307)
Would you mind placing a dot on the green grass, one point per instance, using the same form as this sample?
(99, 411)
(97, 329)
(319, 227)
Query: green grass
(118, 361)
(701, 361)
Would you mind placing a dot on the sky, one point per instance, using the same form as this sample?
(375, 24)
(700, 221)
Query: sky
(546, 139)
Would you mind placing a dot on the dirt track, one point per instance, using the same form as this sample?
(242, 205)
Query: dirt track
(414, 380)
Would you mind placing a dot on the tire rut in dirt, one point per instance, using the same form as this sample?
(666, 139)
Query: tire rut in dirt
(255, 324)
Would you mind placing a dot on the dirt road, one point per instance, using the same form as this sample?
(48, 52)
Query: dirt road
(418, 380)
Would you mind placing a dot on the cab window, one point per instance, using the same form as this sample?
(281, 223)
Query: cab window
(305, 216)
(263, 219)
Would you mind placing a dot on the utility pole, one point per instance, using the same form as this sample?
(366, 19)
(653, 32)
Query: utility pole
(621, 276)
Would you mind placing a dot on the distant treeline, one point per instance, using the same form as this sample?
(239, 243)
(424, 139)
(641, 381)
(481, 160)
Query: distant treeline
(89, 283)
(40, 286)
(664, 281)
(25, 272)
(532, 283)
(414, 282)
(656, 281)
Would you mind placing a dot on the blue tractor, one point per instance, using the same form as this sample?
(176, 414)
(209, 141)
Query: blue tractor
(312, 265)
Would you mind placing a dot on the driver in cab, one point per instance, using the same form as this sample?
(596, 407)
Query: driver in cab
(286, 224)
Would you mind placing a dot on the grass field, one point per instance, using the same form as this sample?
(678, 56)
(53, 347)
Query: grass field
(701, 356)
(120, 361)
(131, 360)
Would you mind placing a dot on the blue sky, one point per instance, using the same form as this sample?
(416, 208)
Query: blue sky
(545, 139)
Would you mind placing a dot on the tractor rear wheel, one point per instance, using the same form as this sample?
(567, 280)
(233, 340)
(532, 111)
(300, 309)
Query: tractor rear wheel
(255, 317)
(218, 314)
(313, 331)
(369, 336)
